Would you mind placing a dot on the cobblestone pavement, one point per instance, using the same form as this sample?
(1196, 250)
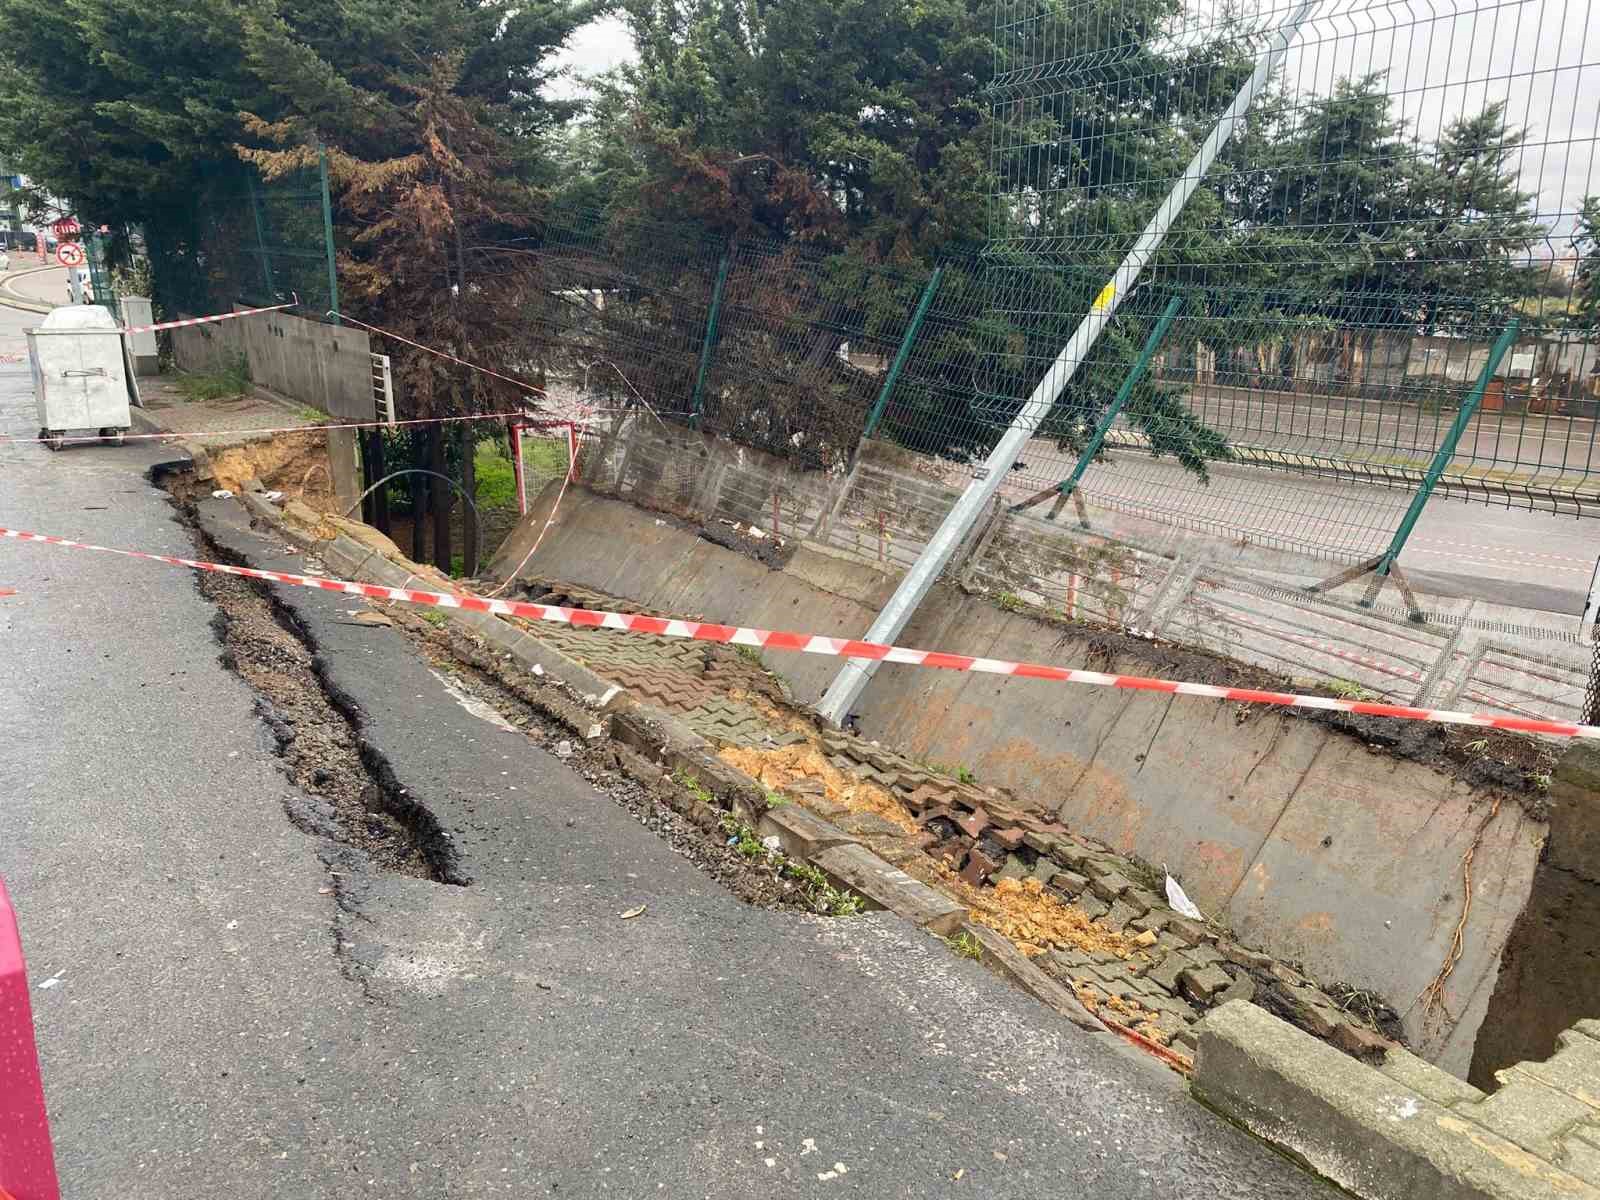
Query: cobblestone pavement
(1094, 919)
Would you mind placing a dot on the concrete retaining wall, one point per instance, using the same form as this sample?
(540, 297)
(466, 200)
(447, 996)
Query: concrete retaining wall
(328, 367)
(1314, 845)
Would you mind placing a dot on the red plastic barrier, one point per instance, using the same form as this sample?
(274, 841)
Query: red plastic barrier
(27, 1160)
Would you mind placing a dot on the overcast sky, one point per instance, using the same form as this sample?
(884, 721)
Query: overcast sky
(1443, 59)
(594, 50)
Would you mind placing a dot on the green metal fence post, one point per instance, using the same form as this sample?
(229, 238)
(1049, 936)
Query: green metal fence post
(261, 237)
(1447, 448)
(1096, 439)
(904, 352)
(327, 233)
(710, 339)
(1386, 565)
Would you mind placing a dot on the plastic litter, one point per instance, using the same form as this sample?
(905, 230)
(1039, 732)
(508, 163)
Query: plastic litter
(1179, 899)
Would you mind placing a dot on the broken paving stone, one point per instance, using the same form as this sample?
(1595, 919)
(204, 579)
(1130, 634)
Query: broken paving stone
(869, 825)
(925, 796)
(1191, 932)
(1092, 906)
(1241, 956)
(974, 823)
(1242, 988)
(1009, 838)
(1153, 921)
(1121, 913)
(979, 867)
(1145, 900)
(1315, 1013)
(1044, 870)
(1202, 983)
(1166, 972)
(1111, 885)
(1015, 868)
(1070, 854)
(1069, 883)
(1043, 843)
(1361, 1042)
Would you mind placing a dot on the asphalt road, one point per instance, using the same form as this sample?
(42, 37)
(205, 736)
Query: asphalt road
(1529, 443)
(28, 282)
(236, 1007)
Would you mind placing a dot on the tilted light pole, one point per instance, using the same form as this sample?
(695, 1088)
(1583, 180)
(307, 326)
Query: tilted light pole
(847, 686)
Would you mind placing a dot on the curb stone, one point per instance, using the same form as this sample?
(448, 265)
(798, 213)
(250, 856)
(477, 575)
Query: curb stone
(1367, 1131)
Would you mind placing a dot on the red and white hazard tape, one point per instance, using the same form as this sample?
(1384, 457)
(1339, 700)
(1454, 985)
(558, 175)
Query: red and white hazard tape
(527, 420)
(807, 643)
(188, 321)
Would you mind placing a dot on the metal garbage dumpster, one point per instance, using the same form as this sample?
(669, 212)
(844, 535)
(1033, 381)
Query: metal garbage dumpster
(80, 381)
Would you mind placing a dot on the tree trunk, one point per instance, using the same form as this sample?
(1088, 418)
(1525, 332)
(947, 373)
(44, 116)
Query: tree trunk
(419, 501)
(469, 518)
(442, 496)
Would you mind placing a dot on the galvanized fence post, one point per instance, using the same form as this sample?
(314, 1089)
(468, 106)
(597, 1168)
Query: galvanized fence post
(838, 701)
(708, 344)
(903, 353)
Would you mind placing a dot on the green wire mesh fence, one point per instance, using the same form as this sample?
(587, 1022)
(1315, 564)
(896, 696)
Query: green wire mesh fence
(1412, 178)
(255, 242)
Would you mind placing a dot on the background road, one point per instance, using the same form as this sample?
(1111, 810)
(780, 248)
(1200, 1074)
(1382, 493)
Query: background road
(26, 281)
(238, 1007)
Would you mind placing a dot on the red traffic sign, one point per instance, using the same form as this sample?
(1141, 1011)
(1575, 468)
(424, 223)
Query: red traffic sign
(66, 227)
(70, 254)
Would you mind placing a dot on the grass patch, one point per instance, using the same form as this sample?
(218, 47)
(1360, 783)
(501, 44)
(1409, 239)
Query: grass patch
(233, 380)
(497, 479)
(542, 459)
(1348, 689)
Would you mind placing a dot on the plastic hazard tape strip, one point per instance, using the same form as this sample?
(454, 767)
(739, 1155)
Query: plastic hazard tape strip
(806, 643)
(526, 419)
(187, 321)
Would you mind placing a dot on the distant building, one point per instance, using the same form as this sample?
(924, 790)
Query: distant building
(11, 216)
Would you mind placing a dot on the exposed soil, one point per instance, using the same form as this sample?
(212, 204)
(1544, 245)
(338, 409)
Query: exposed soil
(349, 793)
(1510, 764)
(778, 769)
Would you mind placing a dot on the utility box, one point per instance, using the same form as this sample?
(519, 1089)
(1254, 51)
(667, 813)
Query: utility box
(80, 380)
(137, 313)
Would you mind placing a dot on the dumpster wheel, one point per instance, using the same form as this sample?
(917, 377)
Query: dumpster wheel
(112, 437)
(53, 438)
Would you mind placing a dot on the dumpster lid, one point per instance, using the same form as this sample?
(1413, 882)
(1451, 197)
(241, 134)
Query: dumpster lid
(78, 318)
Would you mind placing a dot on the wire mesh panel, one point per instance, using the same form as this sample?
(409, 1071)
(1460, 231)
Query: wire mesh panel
(256, 242)
(1411, 179)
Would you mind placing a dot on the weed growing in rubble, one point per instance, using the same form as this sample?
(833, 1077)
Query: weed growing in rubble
(435, 618)
(1479, 747)
(965, 945)
(1542, 782)
(776, 799)
(1010, 601)
(693, 786)
(822, 895)
(749, 653)
(957, 772)
(1347, 689)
